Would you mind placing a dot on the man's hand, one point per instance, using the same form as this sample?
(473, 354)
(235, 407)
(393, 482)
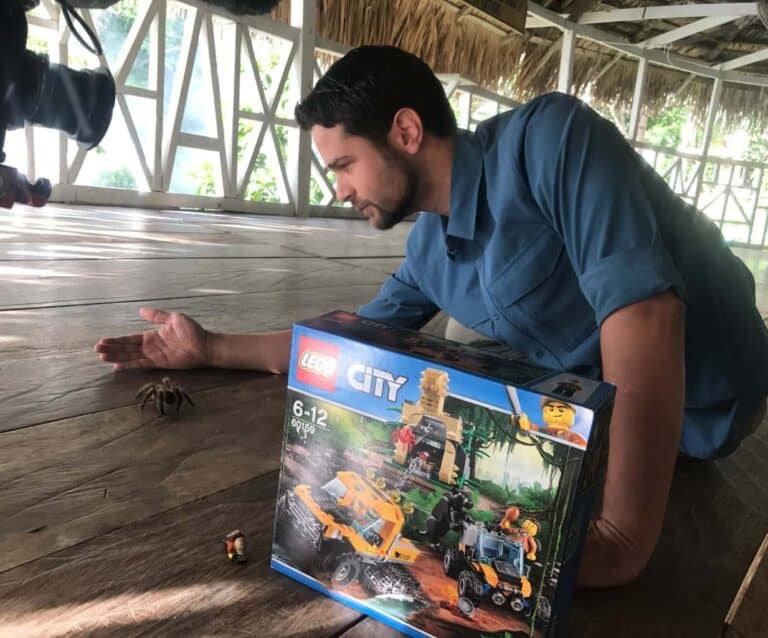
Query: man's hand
(179, 343)
(642, 350)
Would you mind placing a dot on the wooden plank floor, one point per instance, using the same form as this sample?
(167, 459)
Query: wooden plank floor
(111, 519)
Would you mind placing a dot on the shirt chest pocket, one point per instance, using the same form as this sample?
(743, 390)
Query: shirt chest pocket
(538, 293)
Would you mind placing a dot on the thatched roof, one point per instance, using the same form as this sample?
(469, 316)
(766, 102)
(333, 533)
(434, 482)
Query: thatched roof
(451, 39)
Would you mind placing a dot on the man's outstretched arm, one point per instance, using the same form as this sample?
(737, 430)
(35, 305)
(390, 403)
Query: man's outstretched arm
(642, 351)
(179, 342)
(267, 351)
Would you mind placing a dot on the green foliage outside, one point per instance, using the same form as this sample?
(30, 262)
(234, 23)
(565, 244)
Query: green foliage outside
(206, 180)
(316, 194)
(757, 151)
(113, 26)
(666, 127)
(263, 186)
(117, 178)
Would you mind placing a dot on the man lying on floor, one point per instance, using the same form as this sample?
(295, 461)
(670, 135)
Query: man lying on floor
(543, 230)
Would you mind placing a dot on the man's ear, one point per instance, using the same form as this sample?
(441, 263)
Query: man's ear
(407, 132)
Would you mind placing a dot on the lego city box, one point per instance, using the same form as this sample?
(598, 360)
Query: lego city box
(439, 488)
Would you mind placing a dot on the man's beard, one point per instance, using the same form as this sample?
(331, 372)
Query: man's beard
(406, 204)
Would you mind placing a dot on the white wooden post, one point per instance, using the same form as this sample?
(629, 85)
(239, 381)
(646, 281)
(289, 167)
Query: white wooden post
(180, 92)
(29, 140)
(157, 82)
(237, 31)
(303, 15)
(714, 104)
(220, 146)
(63, 58)
(565, 77)
(637, 99)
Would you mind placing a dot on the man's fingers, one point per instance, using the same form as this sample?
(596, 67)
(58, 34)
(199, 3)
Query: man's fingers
(118, 342)
(137, 363)
(114, 356)
(154, 315)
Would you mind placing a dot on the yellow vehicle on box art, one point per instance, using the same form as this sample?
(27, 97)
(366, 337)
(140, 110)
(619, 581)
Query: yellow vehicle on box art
(354, 528)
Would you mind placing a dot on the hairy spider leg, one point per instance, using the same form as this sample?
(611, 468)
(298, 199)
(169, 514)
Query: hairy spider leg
(176, 396)
(150, 393)
(145, 388)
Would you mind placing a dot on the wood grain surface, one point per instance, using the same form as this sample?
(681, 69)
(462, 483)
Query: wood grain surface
(111, 519)
(168, 575)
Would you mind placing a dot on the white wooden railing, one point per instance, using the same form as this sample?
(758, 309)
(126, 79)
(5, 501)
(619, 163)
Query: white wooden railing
(203, 119)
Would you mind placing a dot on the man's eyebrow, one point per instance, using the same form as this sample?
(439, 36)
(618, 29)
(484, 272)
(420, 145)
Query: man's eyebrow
(335, 163)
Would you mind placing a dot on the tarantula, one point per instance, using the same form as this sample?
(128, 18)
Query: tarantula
(164, 393)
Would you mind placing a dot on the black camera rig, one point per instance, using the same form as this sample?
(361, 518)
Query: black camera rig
(37, 91)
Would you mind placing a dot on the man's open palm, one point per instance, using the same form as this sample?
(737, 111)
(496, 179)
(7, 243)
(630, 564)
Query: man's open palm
(178, 343)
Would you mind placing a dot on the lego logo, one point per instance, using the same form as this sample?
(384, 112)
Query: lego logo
(318, 363)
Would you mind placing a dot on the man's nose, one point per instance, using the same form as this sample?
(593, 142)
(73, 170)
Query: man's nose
(344, 191)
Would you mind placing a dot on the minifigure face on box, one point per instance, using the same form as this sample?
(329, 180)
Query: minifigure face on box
(558, 415)
(529, 526)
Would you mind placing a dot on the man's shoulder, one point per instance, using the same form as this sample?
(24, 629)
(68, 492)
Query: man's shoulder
(549, 103)
(553, 101)
(545, 111)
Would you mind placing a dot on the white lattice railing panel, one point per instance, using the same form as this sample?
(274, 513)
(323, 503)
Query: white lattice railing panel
(734, 194)
(203, 109)
(204, 118)
(322, 182)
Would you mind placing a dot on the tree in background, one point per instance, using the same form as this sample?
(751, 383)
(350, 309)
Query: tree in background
(117, 178)
(757, 151)
(665, 129)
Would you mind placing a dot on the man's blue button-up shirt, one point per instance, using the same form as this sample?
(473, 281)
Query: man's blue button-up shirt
(555, 223)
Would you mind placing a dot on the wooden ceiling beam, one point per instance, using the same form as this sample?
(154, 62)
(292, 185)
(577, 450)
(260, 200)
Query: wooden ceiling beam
(662, 58)
(744, 60)
(698, 26)
(671, 11)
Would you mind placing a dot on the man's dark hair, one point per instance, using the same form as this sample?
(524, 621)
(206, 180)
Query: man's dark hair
(364, 89)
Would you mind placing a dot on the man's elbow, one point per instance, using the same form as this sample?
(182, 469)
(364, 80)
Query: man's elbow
(610, 559)
(627, 569)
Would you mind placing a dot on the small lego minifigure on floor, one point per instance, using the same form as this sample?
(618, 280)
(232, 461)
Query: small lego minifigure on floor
(236, 545)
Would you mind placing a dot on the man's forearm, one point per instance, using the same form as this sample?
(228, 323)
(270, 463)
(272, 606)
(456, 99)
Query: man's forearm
(267, 351)
(642, 355)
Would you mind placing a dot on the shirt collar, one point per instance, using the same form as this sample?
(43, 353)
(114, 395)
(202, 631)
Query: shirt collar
(466, 171)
